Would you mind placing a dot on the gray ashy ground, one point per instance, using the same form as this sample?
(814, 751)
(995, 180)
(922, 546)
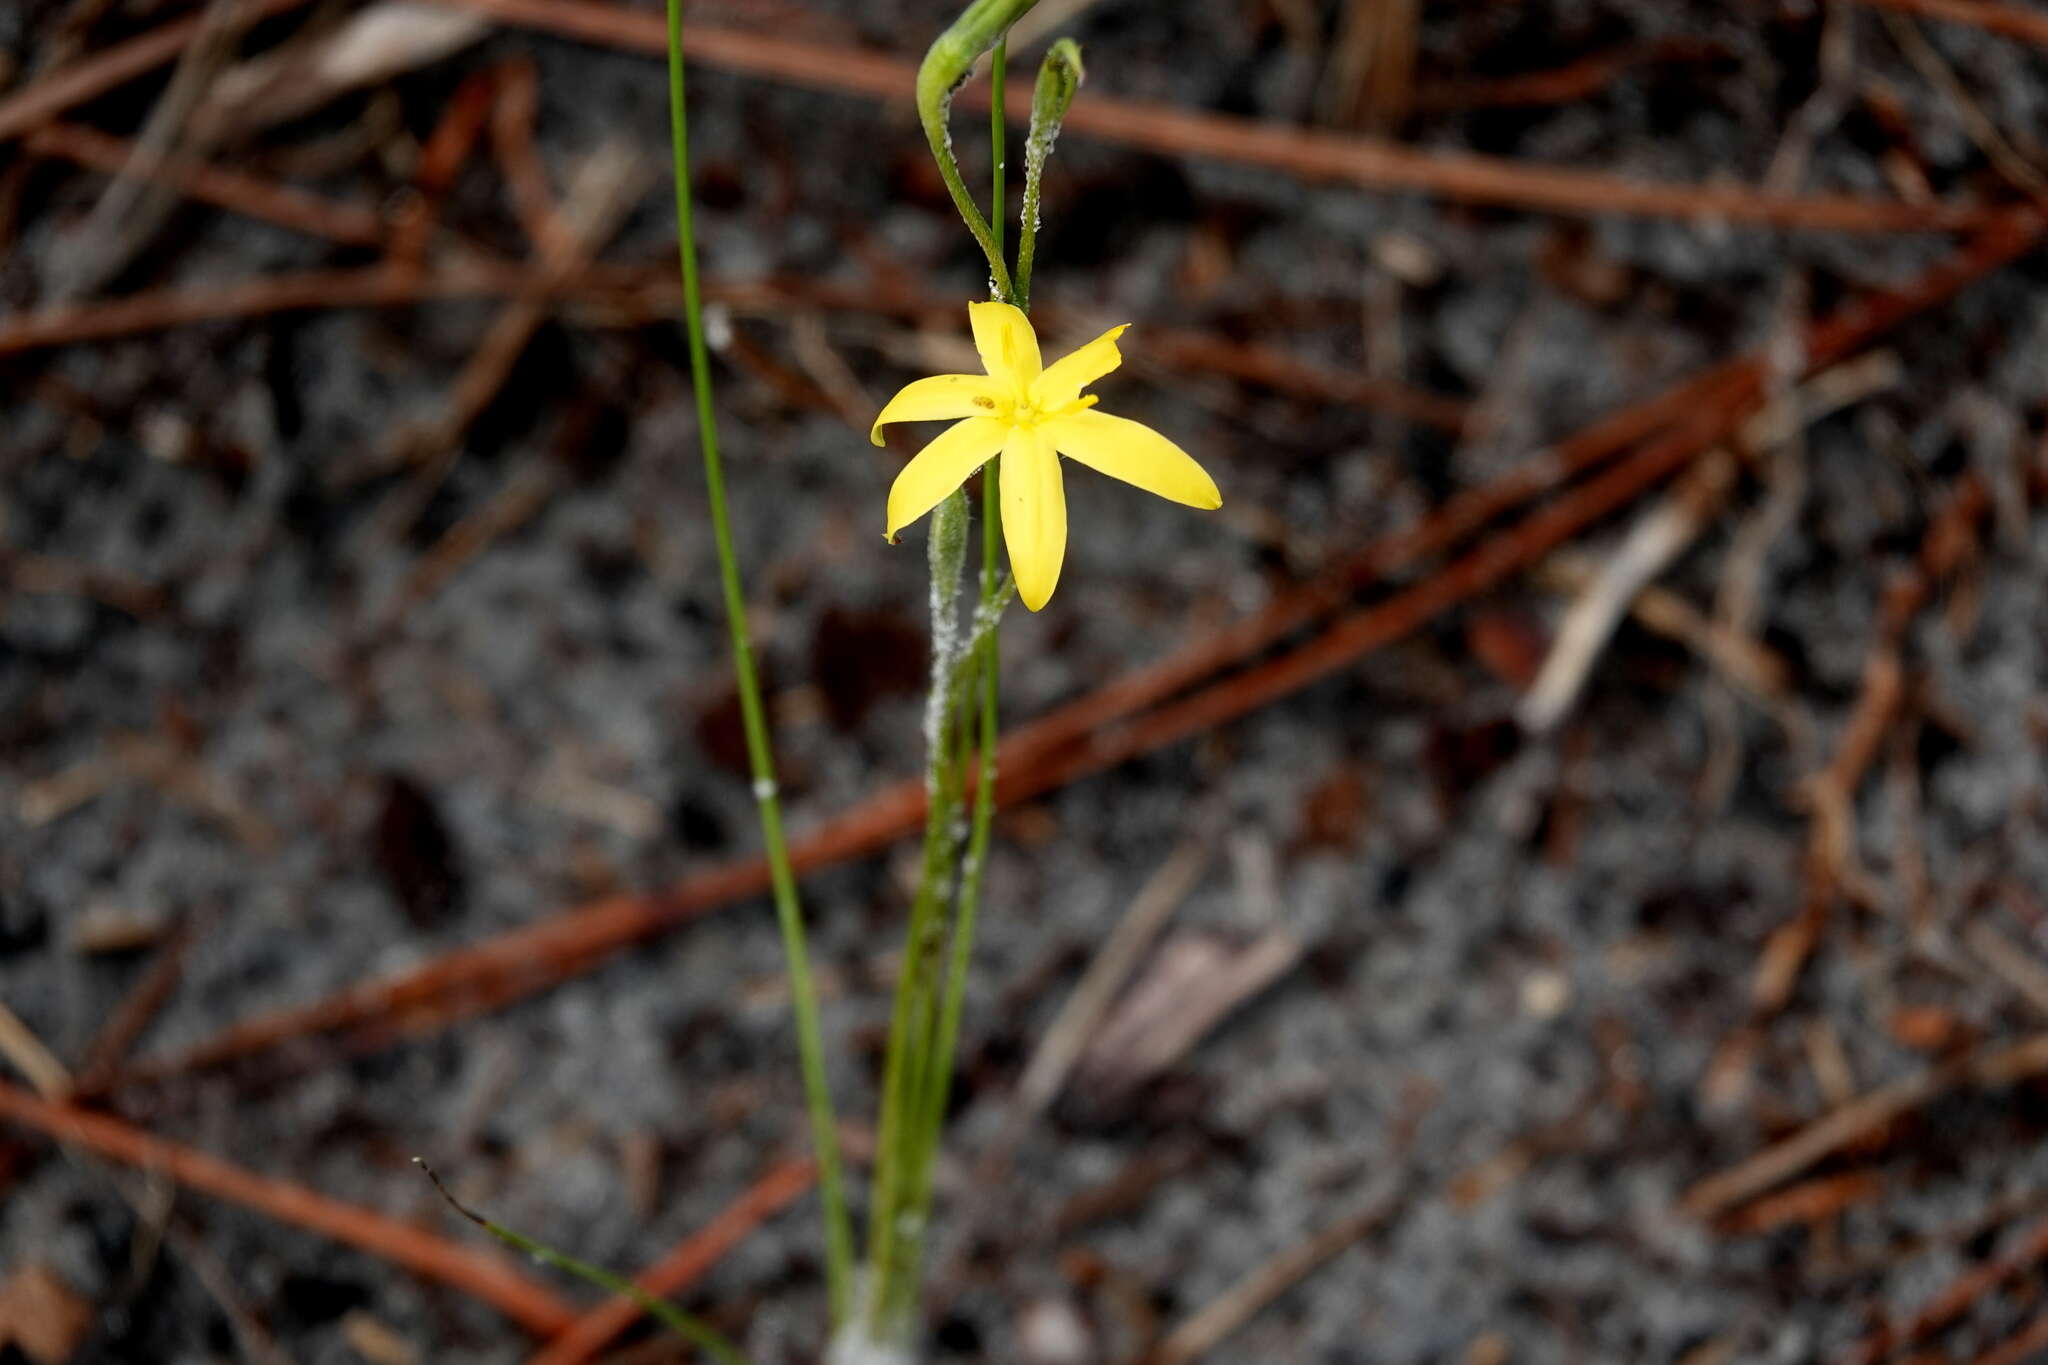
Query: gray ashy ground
(1508, 1044)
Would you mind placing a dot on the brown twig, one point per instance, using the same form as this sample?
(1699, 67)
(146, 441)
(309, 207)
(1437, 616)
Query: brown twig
(1274, 369)
(145, 999)
(1829, 794)
(1578, 79)
(2011, 21)
(632, 296)
(1364, 162)
(606, 185)
(1078, 739)
(487, 975)
(54, 94)
(441, 160)
(133, 205)
(689, 1261)
(482, 1276)
(28, 572)
(1849, 1123)
(1954, 1300)
(1505, 552)
(379, 286)
(1652, 545)
(1370, 78)
(1981, 127)
(27, 1054)
(2024, 1347)
(1740, 659)
(151, 1202)
(230, 190)
(1817, 1199)
(1236, 1306)
(512, 137)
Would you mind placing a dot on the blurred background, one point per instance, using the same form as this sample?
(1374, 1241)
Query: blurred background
(1558, 861)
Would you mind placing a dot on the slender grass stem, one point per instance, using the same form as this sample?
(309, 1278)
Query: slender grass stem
(760, 757)
(692, 1329)
(998, 62)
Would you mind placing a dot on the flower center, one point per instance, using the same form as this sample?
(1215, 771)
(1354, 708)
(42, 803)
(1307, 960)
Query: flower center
(1027, 410)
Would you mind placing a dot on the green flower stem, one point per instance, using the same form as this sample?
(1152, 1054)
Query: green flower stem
(945, 67)
(960, 721)
(1059, 78)
(920, 1058)
(894, 1240)
(985, 660)
(694, 1330)
(998, 75)
(760, 757)
(983, 674)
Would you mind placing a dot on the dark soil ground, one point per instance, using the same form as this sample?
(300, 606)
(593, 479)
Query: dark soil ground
(1528, 1005)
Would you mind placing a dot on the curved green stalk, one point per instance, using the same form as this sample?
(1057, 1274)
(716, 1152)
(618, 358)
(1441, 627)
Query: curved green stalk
(945, 68)
(998, 78)
(760, 757)
(1059, 78)
(690, 1328)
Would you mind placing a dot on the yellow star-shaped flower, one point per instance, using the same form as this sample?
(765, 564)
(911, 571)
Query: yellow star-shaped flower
(1031, 414)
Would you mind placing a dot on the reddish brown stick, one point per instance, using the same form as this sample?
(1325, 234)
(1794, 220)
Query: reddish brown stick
(2011, 21)
(441, 160)
(480, 1274)
(509, 966)
(131, 1019)
(691, 1259)
(1312, 155)
(1955, 1300)
(50, 96)
(378, 286)
(238, 193)
(1064, 745)
(636, 295)
(2024, 1347)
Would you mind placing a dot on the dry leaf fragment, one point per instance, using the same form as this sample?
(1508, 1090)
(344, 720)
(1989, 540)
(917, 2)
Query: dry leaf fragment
(1193, 984)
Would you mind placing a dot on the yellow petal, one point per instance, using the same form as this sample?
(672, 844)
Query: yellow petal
(1133, 452)
(941, 396)
(1008, 346)
(1034, 514)
(1064, 379)
(941, 467)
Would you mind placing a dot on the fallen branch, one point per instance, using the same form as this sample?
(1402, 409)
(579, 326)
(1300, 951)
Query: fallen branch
(1365, 162)
(2024, 1347)
(1829, 794)
(1951, 1303)
(1859, 1118)
(625, 296)
(225, 189)
(1078, 739)
(53, 95)
(484, 1277)
(2010, 21)
(1236, 1306)
(1656, 541)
